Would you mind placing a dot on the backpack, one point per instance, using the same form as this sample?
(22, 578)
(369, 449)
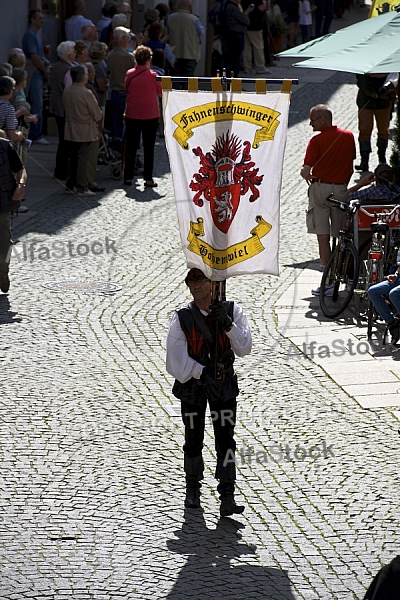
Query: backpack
(216, 16)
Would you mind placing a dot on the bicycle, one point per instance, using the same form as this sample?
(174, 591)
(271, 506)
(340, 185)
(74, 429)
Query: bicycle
(380, 259)
(341, 272)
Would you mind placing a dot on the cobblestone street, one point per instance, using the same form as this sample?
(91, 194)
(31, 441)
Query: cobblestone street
(92, 482)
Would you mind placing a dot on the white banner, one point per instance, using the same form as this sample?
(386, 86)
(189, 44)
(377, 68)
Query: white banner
(226, 154)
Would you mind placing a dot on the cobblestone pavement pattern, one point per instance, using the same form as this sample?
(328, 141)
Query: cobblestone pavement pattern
(91, 461)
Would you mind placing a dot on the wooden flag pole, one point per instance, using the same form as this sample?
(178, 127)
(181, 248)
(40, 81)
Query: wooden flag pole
(219, 287)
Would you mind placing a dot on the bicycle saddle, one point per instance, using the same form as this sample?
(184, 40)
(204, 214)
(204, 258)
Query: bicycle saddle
(378, 227)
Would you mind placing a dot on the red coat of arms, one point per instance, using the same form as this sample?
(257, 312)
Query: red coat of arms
(222, 181)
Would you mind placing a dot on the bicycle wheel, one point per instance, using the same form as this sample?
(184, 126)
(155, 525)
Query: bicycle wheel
(340, 276)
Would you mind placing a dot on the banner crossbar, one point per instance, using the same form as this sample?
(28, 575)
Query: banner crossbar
(228, 80)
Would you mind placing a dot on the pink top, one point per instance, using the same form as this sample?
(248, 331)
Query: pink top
(142, 90)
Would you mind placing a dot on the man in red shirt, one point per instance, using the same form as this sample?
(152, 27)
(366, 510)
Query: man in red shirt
(327, 168)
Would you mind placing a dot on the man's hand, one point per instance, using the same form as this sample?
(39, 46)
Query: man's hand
(31, 119)
(306, 173)
(392, 278)
(211, 386)
(218, 314)
(19, 193)
(366, 180)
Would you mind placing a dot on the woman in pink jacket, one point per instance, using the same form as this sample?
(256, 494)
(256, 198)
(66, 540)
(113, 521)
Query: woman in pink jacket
(141, 115)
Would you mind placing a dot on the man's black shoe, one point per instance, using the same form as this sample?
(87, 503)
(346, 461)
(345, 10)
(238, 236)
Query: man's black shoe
(192, 499)
(394, 330)
(394, 324)
(4, 284)
(229, 507)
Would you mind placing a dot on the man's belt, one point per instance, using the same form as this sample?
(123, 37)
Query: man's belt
(315, 180)
(224, 372)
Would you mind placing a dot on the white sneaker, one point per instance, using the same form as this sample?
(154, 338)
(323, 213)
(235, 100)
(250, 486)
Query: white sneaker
(69, 191)
(42, 141)
(85, 193)
(328, 290)
(263, 71)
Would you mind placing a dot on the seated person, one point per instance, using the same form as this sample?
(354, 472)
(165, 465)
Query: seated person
(378, 192)
(376, 294)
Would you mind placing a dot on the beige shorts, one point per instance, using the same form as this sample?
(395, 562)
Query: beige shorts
(322, 216)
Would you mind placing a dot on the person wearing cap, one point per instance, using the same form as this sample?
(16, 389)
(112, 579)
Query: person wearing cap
(202, 342)
(379, 191)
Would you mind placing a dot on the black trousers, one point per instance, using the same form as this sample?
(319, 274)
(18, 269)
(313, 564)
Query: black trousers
(134, 128)
(5, 242)
(78, 161)
(232, 48)
(223, 416)
(61, 170)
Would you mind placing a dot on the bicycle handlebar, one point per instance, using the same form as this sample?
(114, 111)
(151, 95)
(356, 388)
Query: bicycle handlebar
(377, 215)
(351, 207)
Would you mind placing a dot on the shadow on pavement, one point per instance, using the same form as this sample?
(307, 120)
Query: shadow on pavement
(56, 212)
(313, 265)
(139, 195)
(209, 572)
(7, 315)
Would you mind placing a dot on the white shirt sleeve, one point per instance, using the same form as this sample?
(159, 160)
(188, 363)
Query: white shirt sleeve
(240, 334)
(179, 364)
(182, 367)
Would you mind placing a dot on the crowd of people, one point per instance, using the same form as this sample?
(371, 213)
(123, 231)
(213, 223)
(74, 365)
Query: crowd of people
(107, 49)
(106, 72)
(93, 80)
(249, 32)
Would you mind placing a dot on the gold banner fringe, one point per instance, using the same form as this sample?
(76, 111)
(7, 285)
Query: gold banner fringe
(193, 84)
(166, 83)
(286, 86)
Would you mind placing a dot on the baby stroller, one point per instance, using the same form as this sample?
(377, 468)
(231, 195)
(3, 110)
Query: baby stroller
(110, 154)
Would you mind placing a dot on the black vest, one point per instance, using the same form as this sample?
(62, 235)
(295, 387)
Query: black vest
(201, 347)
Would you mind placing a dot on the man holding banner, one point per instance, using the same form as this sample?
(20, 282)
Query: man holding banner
(202, 341)
(226, 153)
